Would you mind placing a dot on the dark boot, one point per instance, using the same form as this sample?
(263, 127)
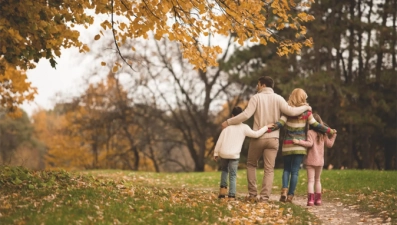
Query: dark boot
(222, 192)
(310, 199)
(317, 199)
(231, 198)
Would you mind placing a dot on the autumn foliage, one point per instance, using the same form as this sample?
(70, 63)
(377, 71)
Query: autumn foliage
(187, 21)
(32, 30)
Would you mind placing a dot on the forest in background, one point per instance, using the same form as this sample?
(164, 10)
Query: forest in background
(168, 116)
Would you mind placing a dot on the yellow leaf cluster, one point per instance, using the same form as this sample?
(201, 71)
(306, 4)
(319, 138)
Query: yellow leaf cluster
(186, 21)
(30, 31)
(14, 88)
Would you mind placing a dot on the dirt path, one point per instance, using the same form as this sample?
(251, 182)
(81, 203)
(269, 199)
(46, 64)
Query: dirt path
(331, 213)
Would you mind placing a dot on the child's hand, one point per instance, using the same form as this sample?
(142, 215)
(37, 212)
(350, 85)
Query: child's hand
(224, 124)
(296, 141)
(216, 158)
(270, 126)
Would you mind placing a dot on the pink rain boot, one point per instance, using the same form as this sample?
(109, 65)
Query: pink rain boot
(310, 199)
(317, 199)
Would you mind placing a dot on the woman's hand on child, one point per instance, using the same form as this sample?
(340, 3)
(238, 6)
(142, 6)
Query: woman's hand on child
(296, 141)
(270, 126)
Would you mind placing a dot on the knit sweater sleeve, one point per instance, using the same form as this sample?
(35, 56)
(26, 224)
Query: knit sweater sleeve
(246, 114)
(329, 142)
(219, 143)
(254, 134)
(311, 136)
(289, 110)
(280, 123)
(317, 126)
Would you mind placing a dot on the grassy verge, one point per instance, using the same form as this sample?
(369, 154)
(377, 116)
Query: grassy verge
(369, 191)
(124, 197)
(121, 197)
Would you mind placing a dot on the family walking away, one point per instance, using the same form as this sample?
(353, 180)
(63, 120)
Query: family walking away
(296, 117)
(228, 148)
(266, 107)
(296, 130)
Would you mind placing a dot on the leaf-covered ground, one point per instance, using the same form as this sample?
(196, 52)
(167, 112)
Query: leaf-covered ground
(123, 197)
(29, 197)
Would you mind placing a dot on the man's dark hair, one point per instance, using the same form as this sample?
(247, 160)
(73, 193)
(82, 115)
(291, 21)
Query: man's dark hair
(266, 80)
(236, 110)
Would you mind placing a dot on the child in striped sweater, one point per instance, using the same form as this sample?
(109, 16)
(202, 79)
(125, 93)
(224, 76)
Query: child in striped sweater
(296, 128)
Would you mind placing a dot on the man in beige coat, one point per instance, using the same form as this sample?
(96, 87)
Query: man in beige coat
(267, 107)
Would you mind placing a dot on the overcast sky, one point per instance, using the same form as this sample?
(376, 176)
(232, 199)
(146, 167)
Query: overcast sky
(66, 78)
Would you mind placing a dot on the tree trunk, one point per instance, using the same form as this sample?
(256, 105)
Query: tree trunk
(379, 54)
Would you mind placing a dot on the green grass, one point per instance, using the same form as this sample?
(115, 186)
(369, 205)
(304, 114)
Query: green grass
(122, 197)
(125, 197)
(371, 191)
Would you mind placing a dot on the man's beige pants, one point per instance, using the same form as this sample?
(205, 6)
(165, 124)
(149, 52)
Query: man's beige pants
(266, 148)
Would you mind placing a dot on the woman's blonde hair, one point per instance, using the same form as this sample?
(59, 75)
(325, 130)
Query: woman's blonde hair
(297, 97)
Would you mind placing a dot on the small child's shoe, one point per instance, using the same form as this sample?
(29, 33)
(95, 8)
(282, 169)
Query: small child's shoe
(289, 198)
(317, 199)
(283, 197)
(310, 199)
(222, 192)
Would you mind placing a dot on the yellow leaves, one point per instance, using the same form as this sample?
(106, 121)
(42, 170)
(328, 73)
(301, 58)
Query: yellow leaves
(106, 24)
(103, 63)
(158, 36)
(246, 19)
(293, 26)
(97, 37)
(305, 17)
(280, 26)
(84, 48)
(263, 41)
(165, 7)
(14, 88)
(308, 42)
(272, 39)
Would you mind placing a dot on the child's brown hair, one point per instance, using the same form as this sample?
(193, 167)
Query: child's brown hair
(320, 136)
